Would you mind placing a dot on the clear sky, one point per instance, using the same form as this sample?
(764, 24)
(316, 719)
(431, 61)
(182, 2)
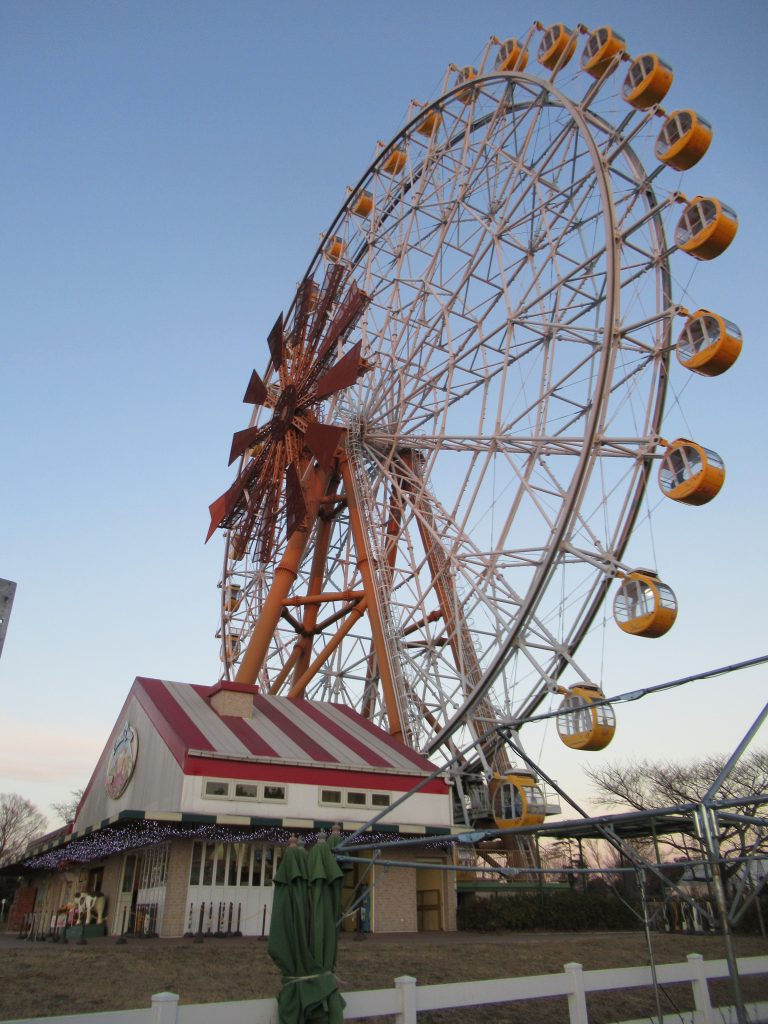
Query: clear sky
(167, 170)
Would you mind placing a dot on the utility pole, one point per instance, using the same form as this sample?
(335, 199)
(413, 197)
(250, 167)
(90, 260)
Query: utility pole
(7, 590)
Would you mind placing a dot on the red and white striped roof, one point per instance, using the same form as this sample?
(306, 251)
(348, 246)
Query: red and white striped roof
(299, 732)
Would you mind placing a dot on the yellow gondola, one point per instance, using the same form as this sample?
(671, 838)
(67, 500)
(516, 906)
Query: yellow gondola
(580, 724)
(232, 597)
(708, 344)
(558, 45)
(690, 473)
(644, 606)
(464, 75)
(429, 124)
(602, 46)
(335, 248)
(511, 56)
(394, 163)
(231, 647)
(706, 228)
(237, 549)
(683, 140)
(647, 82)
(516, 800)
(362, 204)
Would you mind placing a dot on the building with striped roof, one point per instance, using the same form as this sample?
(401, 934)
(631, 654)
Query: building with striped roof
(198, 790)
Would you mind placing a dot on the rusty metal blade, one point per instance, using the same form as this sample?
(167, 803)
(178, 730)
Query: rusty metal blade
(242, 440)
(275, 342)
(341, 374)
(306, 301)
(334, 279)
(295, 506)
(223, 508)
(256, 392)
(323, 441)
(344, 319)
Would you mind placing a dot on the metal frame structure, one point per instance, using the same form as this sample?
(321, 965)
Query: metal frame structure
(701, 819)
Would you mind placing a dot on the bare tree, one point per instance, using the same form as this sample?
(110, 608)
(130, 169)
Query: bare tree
(648, 784)
(67, 809)
(20, 823)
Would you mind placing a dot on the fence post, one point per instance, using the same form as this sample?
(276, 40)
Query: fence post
(577, 997)
(704, 1014)
(406, 986)
(164, 1008)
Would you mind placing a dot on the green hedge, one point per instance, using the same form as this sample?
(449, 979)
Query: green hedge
(553, 911)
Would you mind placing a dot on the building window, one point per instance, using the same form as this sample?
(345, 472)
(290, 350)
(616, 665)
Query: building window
(221, 853)
(208, 864)
(216, 788)
(246, 791)
(271, 860)
(197, 857)
(381, 799)
(274, 793)
(330, 796)
(355, 799)
(257, 862)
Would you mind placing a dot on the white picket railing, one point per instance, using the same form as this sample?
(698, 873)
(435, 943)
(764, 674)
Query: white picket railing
(407, 999)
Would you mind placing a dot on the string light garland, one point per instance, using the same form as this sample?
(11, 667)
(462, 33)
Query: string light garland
(108, 841)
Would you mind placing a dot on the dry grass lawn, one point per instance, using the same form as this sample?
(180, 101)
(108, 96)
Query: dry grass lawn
(46, 979)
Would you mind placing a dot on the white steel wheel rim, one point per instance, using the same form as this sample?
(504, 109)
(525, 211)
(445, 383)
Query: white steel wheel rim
(508, 370)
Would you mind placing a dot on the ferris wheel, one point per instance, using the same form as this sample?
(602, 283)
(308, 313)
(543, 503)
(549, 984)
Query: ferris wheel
(462, 406)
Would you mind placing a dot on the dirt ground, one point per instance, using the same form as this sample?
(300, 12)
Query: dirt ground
(44, 978)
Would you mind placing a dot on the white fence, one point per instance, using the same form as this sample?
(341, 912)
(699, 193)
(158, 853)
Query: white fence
(407, 999)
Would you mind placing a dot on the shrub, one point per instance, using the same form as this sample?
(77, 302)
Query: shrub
(554, 911)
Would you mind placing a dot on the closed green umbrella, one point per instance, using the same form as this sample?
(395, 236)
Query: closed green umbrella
(302, 935)
(325, 883)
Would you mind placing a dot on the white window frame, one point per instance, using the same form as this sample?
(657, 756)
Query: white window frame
(365, 802)
(240, 796)
(217, 796)
(274, 799)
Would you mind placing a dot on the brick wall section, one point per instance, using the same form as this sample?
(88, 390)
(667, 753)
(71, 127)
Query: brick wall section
(449, 899)
(394, 895)
(176, 904)
(110, 886)
(394, 899)
(24, 903)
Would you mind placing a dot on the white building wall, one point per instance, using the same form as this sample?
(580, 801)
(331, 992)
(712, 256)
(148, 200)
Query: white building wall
(156, 784)
(303, 804)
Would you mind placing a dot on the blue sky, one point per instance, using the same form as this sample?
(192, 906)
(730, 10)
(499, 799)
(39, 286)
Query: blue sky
(168, 169)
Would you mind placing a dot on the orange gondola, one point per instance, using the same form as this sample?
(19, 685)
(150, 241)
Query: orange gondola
(429, 124)
(334, 250)
(516, 800)
(709, 344)
(644, 606)
(602, 47)
(647, 82)
(582, 722)
(511, 56)
(464, 75)
(690, 473)
(362, 204)
(557, 46)
(683, 140)
(232, 597)
(230, 648)
(394, 163)
(706, 228)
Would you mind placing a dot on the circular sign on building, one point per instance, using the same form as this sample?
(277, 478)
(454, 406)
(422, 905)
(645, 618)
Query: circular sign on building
(122, 761)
